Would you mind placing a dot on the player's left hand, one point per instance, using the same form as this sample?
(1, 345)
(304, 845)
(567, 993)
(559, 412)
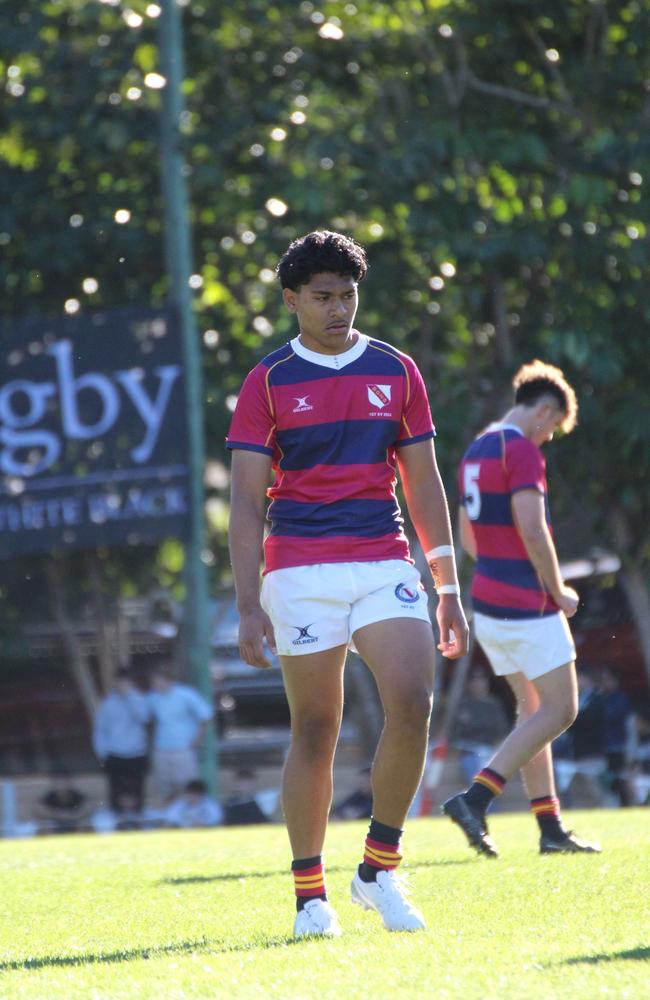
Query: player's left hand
(454, 630)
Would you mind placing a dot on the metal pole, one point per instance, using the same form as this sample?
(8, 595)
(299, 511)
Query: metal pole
(178, 256)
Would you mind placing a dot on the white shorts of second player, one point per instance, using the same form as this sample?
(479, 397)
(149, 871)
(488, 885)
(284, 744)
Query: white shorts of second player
(319, 607)
(529, 646)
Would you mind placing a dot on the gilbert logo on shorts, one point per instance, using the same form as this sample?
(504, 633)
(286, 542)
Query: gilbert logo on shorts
(407, 595)
(379, 395)
(301, 404)
(303, 638)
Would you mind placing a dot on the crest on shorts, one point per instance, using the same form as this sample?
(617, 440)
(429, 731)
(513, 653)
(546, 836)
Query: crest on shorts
(379, 395)
(407, 594)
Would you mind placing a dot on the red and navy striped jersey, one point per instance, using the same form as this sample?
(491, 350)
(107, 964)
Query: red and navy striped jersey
(332, 424)
(500, 462)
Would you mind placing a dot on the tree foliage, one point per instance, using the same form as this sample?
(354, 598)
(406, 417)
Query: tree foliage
(492, 156)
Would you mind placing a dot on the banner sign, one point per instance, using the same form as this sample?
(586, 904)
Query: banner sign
(93, 432)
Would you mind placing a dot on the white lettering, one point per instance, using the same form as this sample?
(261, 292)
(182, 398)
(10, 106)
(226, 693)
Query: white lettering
(36, 515)
(152, 413)
(157, 501)
(71, 387)
(16, 441)
(27, 449)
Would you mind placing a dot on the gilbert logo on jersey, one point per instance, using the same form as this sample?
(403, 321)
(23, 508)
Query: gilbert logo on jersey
(302, 404)
(379, 395)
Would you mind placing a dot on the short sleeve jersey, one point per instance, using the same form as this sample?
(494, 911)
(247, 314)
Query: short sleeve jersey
(332, 425)
(499, 463)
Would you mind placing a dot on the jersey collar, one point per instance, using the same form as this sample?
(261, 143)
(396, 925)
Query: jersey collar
(335, 361)
(506, 427)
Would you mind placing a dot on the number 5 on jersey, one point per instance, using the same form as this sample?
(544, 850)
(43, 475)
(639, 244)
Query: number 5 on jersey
(472, 492)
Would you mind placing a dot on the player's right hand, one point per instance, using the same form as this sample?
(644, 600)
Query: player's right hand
(568, 600)
(254, 628)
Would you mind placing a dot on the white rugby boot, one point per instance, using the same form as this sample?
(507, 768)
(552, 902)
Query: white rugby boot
(388, 896)
(317, 918)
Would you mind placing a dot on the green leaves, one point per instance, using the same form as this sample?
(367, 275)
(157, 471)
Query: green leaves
(508, 140)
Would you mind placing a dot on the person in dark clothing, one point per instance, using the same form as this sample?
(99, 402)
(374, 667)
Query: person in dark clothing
(480, 724)
(587, 732)
(617, 711)
(578, 752)
(242, 807)
(63, 808)
(120, 740)
(358, 804)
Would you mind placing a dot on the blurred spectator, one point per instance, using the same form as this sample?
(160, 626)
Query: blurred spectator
(63, 808)
(584, 738)
(358, 804)
(124, 817)
(639, 768)
(180, 715)
(617, 715)
(245, 804)
(480, 724)
(579, 751)
(193, 808)
(120, 739)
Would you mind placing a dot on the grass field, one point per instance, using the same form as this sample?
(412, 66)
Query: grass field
(174, 915)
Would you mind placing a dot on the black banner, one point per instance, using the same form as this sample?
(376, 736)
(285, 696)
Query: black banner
(93, 431)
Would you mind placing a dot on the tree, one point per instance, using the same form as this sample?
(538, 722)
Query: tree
(491, 156)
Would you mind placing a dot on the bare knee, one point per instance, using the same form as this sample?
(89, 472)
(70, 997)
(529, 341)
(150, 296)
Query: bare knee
(527, 705)
(558, 715)
(314, 735)
(412, 711)
(523, 711)
(567, 713)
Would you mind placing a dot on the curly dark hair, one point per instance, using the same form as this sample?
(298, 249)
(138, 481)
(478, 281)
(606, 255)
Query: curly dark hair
(320, 252)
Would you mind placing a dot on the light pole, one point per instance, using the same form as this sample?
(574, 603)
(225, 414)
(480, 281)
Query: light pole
(178, 258)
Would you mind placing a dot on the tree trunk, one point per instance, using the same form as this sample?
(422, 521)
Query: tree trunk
(503, 334)
(77, 657)
(105, 640)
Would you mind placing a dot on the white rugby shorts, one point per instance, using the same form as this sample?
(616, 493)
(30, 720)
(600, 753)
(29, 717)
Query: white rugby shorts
(318, 607)
(530, 646)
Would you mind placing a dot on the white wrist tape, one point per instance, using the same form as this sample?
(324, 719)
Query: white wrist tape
(440, 552)
(448, 588)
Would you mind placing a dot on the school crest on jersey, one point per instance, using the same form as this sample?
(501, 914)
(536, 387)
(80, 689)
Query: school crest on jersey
(379, 395)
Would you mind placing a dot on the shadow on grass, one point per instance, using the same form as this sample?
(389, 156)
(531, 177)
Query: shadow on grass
(246, 876)
(229, 877)
(202, 945)
(631, 955)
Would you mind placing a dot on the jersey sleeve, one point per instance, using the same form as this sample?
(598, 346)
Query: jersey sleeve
(253, 424)
(417, 423)
(525, 467)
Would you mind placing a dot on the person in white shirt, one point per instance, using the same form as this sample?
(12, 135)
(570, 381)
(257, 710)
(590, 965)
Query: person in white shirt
(181, 716)
(193, 808)
(120, 741)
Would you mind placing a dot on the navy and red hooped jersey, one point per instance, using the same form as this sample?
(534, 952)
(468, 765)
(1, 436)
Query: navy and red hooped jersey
(500, 462)
(332, 424)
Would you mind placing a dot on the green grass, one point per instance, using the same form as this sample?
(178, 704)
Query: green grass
(175, 915)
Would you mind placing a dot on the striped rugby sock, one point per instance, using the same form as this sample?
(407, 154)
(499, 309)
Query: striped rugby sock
(309, 880)
(546, 810)
(487, 784)
(381, 852)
